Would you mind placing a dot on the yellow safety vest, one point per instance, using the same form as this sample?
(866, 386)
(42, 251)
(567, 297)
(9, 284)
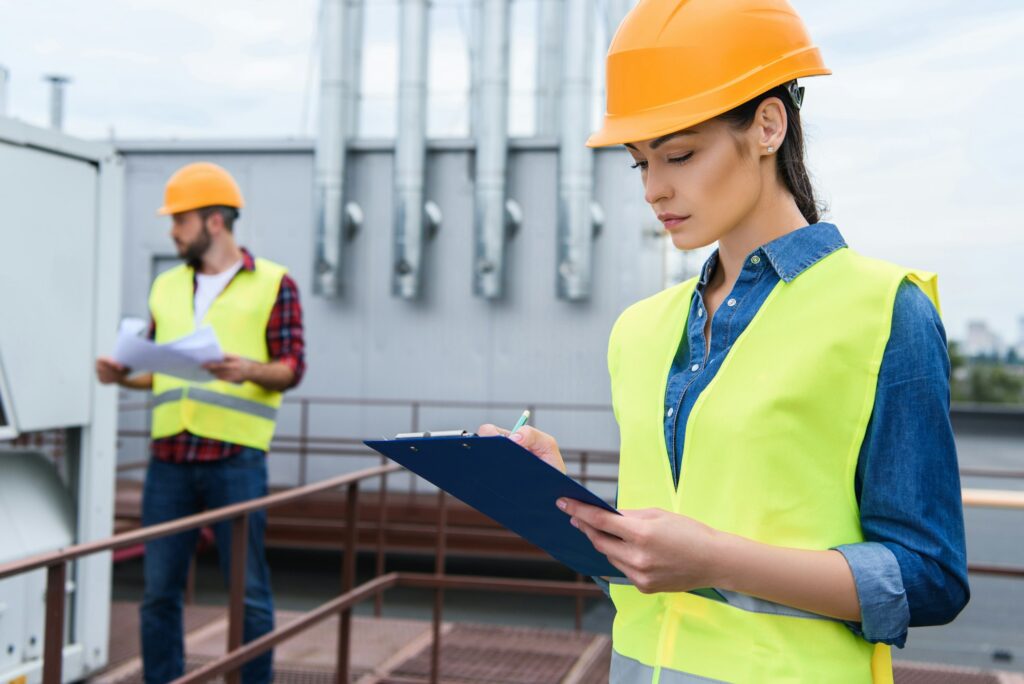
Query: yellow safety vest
(770, 453)
(240, 414)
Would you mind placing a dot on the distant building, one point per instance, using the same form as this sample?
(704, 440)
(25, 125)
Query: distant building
(982, 341)
(1019, 347)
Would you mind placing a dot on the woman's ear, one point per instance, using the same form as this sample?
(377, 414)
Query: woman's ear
(770, 124)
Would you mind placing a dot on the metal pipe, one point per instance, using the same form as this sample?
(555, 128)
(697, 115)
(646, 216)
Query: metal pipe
(58, 85)
(410, 150)
(338, 91)
(576, 220)
(550, 17)
(614, 12)
(490, 215)
(5, 77)
(353, 61)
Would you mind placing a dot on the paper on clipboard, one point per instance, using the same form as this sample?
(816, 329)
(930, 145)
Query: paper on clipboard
(183, 358)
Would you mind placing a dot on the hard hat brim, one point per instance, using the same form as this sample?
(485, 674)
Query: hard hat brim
(680, 115)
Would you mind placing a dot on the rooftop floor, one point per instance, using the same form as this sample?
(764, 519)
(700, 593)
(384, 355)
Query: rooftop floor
(397, 651)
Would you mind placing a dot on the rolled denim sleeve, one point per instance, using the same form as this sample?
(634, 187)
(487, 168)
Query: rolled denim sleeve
(885, 613)
(911, 570)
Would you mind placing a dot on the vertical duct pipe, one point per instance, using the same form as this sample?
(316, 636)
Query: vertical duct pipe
(490, 223)
(338, 90)
(353, 60)
(614, 12)
(5, 76)
(58, 85)
(474, 44)
(410, 150)
(577, 215)
(550, 17)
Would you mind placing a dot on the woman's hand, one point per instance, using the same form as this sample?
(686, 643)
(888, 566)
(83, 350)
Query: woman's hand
(657, 550)
(541, 444)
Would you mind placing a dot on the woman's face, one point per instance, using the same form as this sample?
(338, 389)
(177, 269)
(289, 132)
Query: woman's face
(701, 182)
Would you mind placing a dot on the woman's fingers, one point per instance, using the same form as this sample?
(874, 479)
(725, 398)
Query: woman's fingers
(540, 444)
(610, 523)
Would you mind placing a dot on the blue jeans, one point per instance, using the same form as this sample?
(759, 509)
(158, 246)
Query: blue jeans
(176, 490)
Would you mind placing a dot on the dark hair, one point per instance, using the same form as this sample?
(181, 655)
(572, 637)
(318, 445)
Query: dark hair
(790, 158)
(228, 214)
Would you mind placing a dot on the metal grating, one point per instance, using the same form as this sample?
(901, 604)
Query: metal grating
(597, 671)
(920, 673)
(395, 651)
(500, 655)
(124, 628)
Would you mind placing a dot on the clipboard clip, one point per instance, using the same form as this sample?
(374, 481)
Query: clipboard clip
(436, 433)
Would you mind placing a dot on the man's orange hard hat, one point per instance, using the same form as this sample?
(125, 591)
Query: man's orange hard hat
(198, 185)
(676, 63)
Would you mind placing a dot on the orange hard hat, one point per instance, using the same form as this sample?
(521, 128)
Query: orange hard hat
(198, 185)
(676, 63)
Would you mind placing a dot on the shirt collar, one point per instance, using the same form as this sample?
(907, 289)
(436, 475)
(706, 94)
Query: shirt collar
(248, 260)
(791, 254)
(794, 253)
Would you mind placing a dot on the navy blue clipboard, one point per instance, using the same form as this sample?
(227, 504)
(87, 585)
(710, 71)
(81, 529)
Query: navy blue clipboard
(508, 484)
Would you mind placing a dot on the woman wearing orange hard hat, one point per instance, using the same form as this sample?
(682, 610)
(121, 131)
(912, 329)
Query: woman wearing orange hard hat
(784, 416)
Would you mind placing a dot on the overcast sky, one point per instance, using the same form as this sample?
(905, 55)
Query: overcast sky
(914, 142)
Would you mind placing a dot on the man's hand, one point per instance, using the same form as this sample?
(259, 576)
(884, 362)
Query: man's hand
(109, 371)
(541, 444)
(657, 550)
(232, 369)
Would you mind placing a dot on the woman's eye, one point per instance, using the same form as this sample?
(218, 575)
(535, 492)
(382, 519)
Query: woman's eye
(642, 165)
(680, 160)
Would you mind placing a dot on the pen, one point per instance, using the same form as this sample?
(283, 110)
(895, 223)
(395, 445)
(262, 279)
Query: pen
(522, 420)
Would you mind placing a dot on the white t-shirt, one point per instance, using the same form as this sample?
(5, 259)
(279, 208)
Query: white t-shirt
(208, 287)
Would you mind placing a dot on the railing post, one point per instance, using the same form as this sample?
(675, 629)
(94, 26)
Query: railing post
(348, 578)
(53, 644)
(415, 427)
(382, 513)
(579, 578)
(442, 530)
(190, 583)
(236, 606)
(303, 439)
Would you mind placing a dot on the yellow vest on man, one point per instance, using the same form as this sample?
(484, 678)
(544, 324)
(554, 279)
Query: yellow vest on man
(240, 414)
(770, 453)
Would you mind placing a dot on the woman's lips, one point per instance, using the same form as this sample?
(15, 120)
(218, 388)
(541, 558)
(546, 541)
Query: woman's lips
(672, 222)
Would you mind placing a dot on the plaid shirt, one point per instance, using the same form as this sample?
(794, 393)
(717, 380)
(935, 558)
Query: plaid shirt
(285, 344)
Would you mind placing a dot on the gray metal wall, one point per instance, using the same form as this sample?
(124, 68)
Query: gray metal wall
(449, 345)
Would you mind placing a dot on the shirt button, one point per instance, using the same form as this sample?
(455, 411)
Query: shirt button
(755, 260)
(695, 367)
(700, 312)
(731, 302)
(671, 410)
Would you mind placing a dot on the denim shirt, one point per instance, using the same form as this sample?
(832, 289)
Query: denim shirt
(911, 570)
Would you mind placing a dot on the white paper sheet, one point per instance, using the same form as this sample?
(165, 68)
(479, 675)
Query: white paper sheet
(183, 358)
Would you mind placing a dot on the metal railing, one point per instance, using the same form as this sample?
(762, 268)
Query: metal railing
(305, 445)
(238, 654)
(55, 563)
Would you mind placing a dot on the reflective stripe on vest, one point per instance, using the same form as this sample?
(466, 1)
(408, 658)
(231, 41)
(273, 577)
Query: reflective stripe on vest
(216, 399)
(770, 454)
(243, 413)
(625, 670)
